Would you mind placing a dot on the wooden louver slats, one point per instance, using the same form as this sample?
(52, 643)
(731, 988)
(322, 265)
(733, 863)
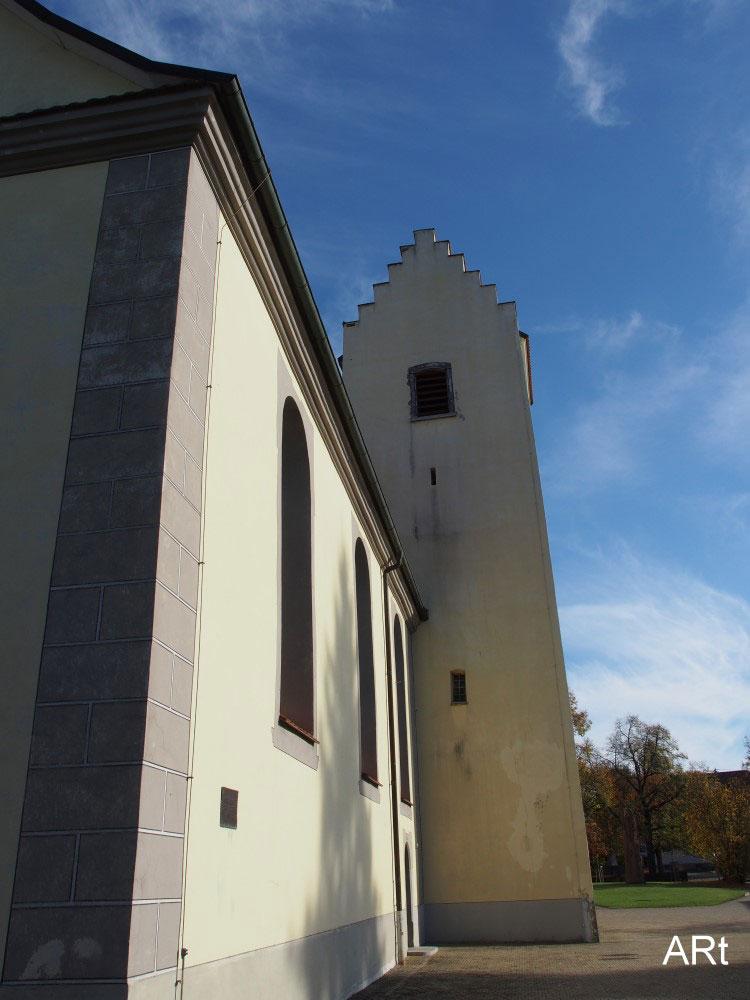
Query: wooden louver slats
(432, 393)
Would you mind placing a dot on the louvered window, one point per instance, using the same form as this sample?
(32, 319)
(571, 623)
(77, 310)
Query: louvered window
(431, 390)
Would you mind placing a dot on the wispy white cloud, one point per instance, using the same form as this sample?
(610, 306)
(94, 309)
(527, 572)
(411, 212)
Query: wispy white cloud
(349, 292)
(606, 441)
(730, 184)
(725, 427)
(614, 335)
(223, 33)
(728, 512)
(130, 23)
(657, 642)
(653, 392)
(592, 80)
(715, 11)
(347, 270)
(606, 444)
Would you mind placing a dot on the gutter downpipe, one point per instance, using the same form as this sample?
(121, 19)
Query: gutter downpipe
(233, 103)
(390, 568)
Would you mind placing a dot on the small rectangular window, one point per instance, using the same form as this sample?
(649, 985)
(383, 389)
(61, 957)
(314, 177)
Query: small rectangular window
(228, 808)
(458, 687)
(431, 390)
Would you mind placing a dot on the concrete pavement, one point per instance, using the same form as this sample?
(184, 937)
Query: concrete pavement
(625, 965)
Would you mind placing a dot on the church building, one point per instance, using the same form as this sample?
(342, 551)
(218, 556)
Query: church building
(284, 692)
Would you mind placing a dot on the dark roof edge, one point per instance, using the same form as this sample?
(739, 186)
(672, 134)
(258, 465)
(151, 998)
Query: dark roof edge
(234, 106)
(111, 48)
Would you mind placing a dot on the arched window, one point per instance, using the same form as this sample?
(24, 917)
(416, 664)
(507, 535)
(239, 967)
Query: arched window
(296, 696)
(407, 880)
(367, 730)
(403, 735)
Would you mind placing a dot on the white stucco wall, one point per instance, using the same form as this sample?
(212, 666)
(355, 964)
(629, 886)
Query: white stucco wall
(50, 224)
(40, 72)
(310, 852)
(500, 802)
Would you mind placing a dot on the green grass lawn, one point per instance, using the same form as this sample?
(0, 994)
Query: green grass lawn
(619, 896)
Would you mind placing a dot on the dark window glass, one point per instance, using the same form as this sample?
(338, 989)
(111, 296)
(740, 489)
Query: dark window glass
(458, 687)
(409, 915)
(403, 735)
(367, 731)
(431, 390)
(296, 702)
(228, 808)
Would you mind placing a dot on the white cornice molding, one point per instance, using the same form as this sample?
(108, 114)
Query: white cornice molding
(102, 129)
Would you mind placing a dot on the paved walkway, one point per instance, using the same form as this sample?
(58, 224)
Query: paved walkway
(626, 965)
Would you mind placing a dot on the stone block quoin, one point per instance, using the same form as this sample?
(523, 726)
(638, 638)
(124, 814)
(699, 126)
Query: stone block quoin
(99, 867)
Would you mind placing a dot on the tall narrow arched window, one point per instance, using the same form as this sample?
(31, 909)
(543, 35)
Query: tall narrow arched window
(367, 730)
(409, 912)
(296, 695)
(403, 735)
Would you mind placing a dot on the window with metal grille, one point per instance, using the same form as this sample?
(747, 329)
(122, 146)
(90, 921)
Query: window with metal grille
(458, 687)
(431, 390)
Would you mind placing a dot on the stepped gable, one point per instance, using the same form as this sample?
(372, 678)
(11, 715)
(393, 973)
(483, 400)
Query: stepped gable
(422, 237)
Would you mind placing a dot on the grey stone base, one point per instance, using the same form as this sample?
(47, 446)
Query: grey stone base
(327, 966)
(526, 921)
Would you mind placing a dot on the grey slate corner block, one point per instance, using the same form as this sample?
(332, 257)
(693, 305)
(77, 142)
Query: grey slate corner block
(104, 809)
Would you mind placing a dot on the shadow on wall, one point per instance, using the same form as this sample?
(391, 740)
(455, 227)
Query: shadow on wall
(335, 964)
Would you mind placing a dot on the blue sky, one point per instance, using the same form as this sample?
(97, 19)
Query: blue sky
(592, 157)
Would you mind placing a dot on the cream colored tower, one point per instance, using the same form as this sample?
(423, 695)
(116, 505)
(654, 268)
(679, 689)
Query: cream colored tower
(439, 379)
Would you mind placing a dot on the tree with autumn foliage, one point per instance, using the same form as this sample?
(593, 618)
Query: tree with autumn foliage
(601, 809)
(580, 717)
(602, 829)
(717, 818)
(633, 788)
(646, 763)
(638, 786)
